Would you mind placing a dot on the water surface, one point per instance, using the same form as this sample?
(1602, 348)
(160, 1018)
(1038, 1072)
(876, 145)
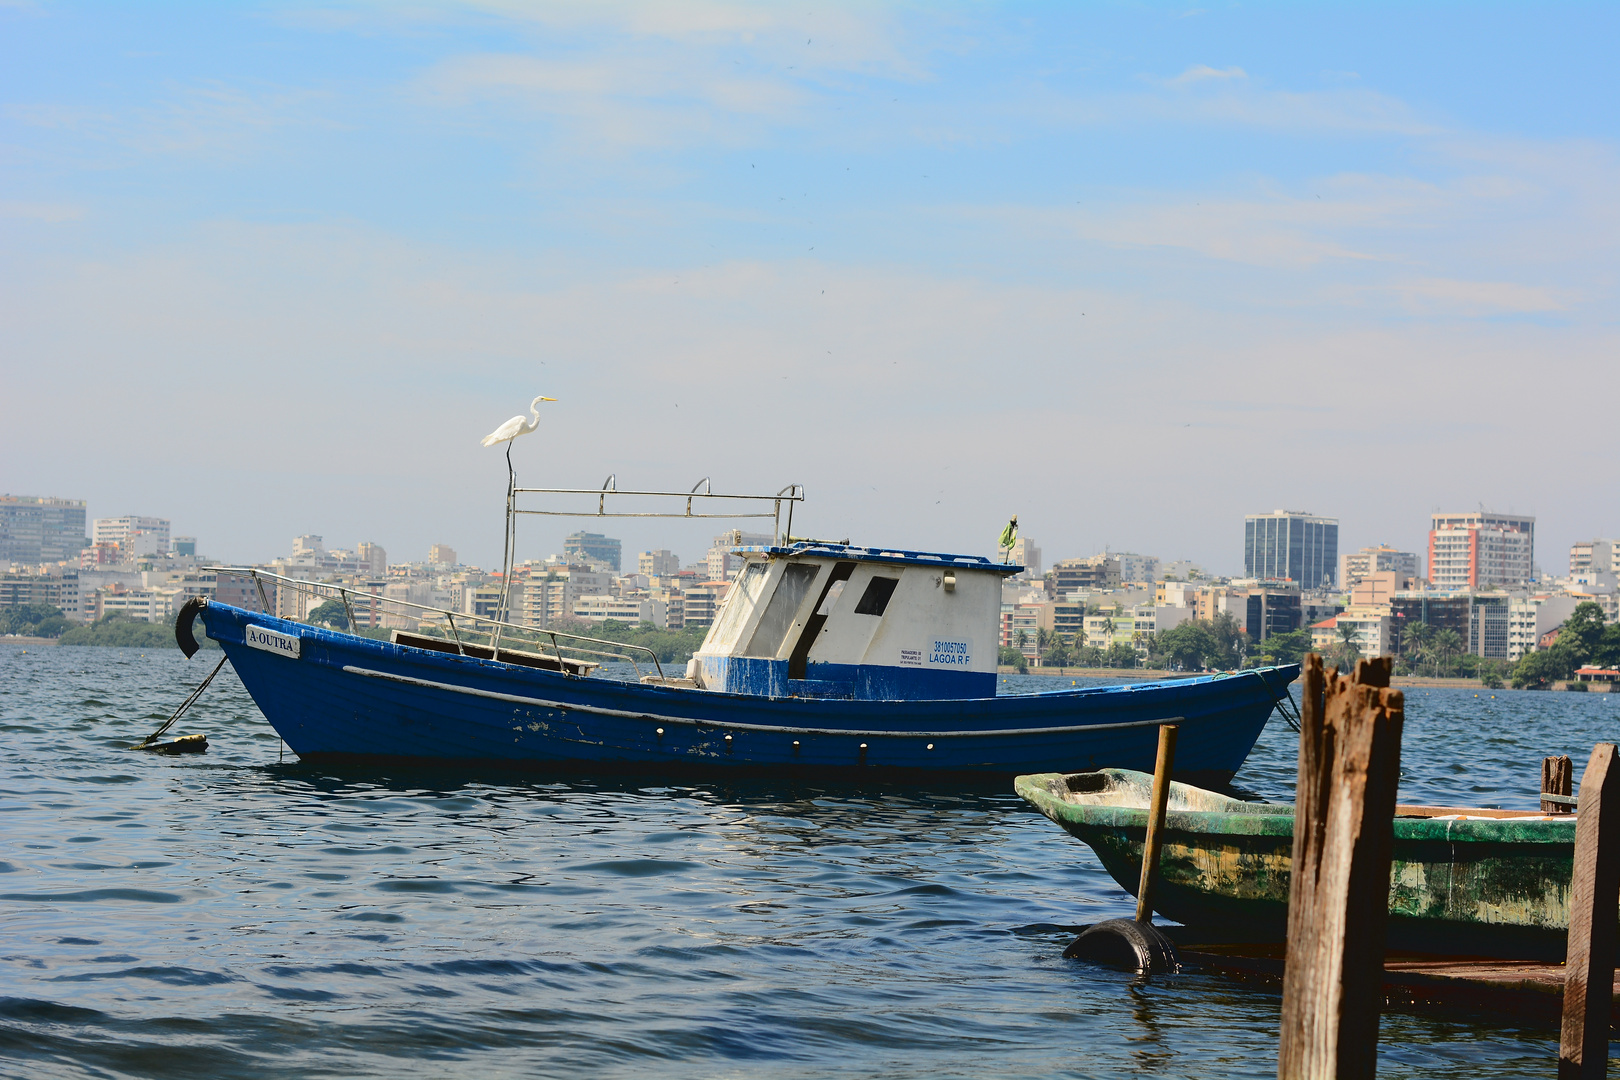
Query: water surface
(237, 915)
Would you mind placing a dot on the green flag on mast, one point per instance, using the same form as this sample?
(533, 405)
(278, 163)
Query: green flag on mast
(1009, 535)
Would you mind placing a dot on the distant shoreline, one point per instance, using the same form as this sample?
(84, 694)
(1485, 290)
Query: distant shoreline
(1136, 675)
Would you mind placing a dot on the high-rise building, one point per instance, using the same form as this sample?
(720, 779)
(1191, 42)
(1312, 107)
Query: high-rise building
(1353, 566)
(1078, 575)
(373, 557)
(588, 547)
(40, 529)
(1594, 556)
(124, 530)
(1292, 545)
(1474, 550)
(443, 555)
(1134, 567)
(660, 563)
(1025, 553)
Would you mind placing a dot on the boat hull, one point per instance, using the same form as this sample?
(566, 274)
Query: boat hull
(1497, 887)
(349, 698)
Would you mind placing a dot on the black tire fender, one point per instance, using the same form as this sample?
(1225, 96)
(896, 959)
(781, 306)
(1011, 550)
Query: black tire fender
(1126, 943)
(182, 626)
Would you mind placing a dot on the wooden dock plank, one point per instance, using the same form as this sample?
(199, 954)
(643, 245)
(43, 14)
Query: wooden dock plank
(1528, 988)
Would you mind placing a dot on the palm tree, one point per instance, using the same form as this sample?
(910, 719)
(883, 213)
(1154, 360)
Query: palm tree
(1415, 641)
(1447, 644)
(1346, 651)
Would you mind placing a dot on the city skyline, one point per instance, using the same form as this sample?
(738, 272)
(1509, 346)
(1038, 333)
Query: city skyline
(630, 550)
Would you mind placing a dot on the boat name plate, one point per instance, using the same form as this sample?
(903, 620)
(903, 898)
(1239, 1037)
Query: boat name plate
(272, 640)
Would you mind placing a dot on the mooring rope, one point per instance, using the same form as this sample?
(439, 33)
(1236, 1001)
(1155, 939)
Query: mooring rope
(184, 705)
(1283, 703)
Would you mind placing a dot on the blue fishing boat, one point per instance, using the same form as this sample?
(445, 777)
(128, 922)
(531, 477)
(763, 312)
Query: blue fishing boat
(825, 658)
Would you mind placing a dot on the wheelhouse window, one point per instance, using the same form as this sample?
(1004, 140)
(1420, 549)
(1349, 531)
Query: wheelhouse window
(875, 600)
(740, 601)
(784, 606)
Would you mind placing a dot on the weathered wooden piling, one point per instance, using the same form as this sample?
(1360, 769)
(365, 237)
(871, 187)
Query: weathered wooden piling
(1557, 780)
(1338, 903)
(1594, 898)
(1159, 803)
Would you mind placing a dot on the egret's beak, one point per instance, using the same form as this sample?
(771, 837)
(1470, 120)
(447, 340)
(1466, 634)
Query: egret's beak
(548, 399)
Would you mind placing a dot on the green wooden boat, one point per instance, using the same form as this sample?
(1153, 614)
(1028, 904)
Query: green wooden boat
(1477, 882)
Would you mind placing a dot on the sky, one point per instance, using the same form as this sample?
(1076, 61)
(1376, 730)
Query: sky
(1127, 270)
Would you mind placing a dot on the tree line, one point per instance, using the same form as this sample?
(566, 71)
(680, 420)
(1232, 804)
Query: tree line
(1584, 640)
(1422, 649)
(1220, 643)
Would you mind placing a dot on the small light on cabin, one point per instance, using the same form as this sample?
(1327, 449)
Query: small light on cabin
(950, 581)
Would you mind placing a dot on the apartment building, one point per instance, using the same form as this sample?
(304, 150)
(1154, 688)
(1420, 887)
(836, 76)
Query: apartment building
(1354, 566)
(1480, 620)
(1134, 567)
(1021, 627)
(1532, 617)
(1268, 611)
(1094, 572)
(701, 603)
(1175, 593)
(674, 608)
(660, 563)
(627, 609)
(1476, 550)
(372, 558)
(1378, 588)
(1131, 626)
(124, 530)
(58, 590)
(1027, 554)
(38, 529)
(1588, 557)
(553, 598)
(588, 548)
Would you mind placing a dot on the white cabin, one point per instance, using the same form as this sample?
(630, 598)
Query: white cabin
(817, 619)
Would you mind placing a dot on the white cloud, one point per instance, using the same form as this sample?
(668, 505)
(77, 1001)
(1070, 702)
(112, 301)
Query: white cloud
(1202, 72)
(204, 119)
(897, 394)
(1475, 298)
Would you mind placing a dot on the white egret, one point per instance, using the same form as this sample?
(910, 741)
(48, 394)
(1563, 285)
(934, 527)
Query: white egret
(505, 434)
(517, 425)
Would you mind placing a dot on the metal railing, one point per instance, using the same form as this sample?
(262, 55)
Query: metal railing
(460, 628)
(792, 493)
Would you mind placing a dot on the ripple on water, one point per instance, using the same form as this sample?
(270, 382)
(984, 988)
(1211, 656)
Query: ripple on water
(449, 924)
(94, 896)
